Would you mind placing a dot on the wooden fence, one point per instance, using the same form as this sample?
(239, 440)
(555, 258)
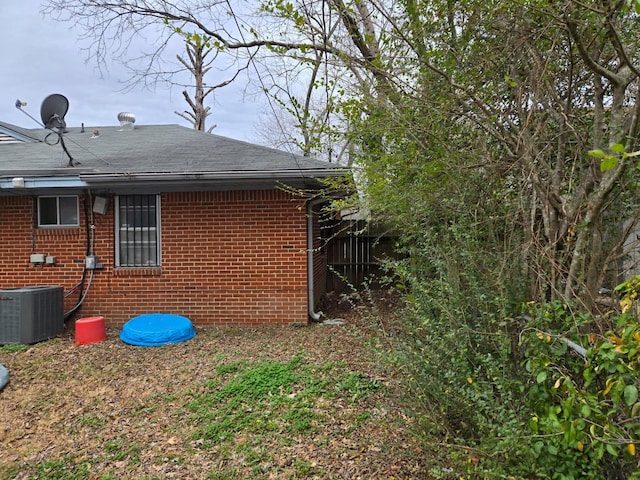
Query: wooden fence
(354, 252)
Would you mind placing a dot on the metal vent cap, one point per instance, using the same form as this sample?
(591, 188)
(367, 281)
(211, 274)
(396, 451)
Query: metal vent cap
(126, 120)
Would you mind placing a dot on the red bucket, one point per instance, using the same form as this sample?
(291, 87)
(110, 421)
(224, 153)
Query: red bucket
(90, 330)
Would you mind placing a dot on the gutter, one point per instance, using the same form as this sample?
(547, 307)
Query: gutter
(222, 175)
(20, 182)
(313, 315)
(37, 179)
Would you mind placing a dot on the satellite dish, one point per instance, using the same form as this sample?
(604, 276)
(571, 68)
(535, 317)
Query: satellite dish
(53, 110)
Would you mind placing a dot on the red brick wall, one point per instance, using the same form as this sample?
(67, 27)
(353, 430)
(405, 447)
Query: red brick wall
(228, 258)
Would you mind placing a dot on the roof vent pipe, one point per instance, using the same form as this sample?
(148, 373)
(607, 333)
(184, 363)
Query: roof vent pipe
(126, 120)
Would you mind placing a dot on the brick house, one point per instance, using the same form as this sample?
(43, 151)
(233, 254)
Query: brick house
(161, 219)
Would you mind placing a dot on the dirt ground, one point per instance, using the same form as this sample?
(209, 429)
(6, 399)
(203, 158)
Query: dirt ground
(87, 411)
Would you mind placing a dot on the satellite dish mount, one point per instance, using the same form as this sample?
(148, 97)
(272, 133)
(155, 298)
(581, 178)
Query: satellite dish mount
(53, 110)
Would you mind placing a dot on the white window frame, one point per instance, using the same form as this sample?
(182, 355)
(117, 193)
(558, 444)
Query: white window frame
(58, 223)
(138, 233)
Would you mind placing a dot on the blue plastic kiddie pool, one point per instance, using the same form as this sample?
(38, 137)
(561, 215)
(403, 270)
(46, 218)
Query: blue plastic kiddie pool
(155, 329)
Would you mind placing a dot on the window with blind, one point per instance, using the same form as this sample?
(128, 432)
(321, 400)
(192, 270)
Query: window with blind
(138, 231)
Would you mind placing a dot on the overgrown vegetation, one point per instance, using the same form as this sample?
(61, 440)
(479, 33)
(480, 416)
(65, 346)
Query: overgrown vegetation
(507, 168)
(583, 393)
(498, 140)
(537, 390)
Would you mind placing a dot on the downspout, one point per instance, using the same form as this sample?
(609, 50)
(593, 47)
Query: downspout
(313, 315)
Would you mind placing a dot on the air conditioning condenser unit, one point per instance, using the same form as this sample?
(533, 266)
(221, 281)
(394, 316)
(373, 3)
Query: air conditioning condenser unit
(31, 314)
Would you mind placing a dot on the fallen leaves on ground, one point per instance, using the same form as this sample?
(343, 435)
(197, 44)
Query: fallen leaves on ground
(111, 410)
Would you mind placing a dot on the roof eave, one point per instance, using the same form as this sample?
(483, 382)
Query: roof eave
(191, 181)
(144, 177)
(188, 181)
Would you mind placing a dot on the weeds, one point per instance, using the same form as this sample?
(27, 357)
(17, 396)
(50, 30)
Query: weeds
(272, 400)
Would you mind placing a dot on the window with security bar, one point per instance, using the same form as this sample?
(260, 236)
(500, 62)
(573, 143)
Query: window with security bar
(138, 231)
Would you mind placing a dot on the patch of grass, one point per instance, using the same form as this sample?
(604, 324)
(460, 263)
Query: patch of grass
(358, 385)
(301, 419)
(117, 450)
(65, 468)
(260, 381)
(91, 420)
(227, 368)
(12, 471)
(224, 475)
(146, 410)
(42, 403)
(271, 399)
(14, 348)
(169, 397)
(90, 369)
(303, 468)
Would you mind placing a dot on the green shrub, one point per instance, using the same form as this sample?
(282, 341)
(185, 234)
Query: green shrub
(583, 392)
(459, 341)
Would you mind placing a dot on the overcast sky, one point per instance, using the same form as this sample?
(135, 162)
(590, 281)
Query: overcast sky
(41, 56)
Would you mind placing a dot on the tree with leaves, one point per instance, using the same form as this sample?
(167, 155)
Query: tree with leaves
(498, 138)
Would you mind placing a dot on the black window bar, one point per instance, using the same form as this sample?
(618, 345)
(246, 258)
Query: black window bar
(138, 231)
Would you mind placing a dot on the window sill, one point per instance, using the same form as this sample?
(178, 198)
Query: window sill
(59, 232)
(137, 271)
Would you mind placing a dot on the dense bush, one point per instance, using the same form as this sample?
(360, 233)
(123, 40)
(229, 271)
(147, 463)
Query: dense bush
(459, 338)
(583, 396)
(535, 392)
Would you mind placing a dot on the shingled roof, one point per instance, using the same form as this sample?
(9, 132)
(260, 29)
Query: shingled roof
(151, 153)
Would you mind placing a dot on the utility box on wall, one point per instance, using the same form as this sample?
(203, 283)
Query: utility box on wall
(31, 314)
